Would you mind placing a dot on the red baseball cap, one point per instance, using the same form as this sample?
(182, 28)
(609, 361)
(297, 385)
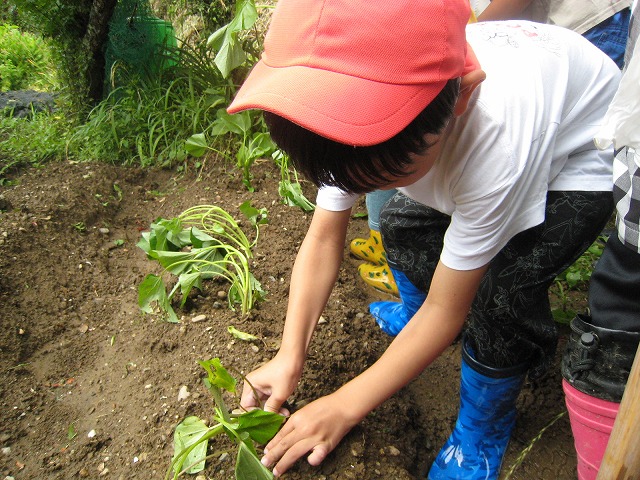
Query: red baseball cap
(357, 71)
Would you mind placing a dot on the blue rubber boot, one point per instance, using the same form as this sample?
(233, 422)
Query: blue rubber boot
(393, 316)
(487, 415)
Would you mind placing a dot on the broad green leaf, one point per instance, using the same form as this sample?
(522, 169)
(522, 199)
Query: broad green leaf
(225, 40)
(238, 123)
(201, 239)
(196, 145)
(174, 262)
(218, 376)
(260, 425)
(143, 243)
(151, 290)
(248, 466)
(292, 195)
(247, 337)
(190, 432)
(261, 144)
(187, 281)
(255, 216)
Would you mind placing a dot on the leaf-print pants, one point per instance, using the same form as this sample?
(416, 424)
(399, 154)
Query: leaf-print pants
(510, 321)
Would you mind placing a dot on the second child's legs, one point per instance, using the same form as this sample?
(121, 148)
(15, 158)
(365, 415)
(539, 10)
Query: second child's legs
(510, 328)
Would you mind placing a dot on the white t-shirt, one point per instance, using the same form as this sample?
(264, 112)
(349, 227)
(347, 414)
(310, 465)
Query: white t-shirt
(529, 129)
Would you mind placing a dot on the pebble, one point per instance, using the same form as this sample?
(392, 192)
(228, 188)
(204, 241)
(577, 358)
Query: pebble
(393, 451)
(91, 434)
(222, 294)
(103, 230)
(199, 318)
(183, 393)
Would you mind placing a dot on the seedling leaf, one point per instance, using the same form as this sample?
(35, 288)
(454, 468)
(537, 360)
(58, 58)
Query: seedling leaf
(248, 467)
(292, 196)
(247, 337)
(260, 425)
(255, 216)
(151, 290)
(218, 376)
(188, 433)
(196, 145)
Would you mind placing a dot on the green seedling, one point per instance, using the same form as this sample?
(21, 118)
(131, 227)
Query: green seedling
(192, 435)
(290, 192)
(203, 242)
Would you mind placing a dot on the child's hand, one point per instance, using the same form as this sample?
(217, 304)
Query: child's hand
(317, 428)
(273, 383)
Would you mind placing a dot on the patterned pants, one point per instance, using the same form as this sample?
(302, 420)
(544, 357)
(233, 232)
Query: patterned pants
(510, 321)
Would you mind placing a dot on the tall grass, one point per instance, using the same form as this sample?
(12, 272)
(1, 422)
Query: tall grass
(25, 61)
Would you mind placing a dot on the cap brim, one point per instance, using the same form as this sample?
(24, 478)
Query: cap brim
(343, 108)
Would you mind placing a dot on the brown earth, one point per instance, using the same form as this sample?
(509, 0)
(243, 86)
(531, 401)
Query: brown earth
(78, 356)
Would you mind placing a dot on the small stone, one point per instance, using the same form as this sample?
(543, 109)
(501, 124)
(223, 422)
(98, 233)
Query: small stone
(322, 320)
(393, 451)
(199, 318)
(6, 450)
(222, 294)
(183, 393)
(103, 230)
(91, 434)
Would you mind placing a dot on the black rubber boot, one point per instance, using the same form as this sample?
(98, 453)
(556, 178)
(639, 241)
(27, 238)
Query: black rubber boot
(597, 361)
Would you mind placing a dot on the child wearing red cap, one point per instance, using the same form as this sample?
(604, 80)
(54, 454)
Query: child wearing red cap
(487, 135)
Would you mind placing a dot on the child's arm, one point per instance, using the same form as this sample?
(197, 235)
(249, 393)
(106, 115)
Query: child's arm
(504, 10)
(318, 427)
(314, 274)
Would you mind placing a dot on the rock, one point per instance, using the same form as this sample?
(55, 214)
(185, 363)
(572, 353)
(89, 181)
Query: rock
(183, 393)
(393, 451)
(199, 318)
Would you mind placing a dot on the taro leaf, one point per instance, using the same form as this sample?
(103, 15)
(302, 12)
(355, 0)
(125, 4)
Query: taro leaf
(196, 145)
(218, 376)
(247, 337)
(248, 467)
(291, 194)
(260, 425)
(189, 432)
(255, 216)
(152, 289)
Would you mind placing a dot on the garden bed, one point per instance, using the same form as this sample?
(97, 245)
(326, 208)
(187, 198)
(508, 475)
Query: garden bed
(89, 386)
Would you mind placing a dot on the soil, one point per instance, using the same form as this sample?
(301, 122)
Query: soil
(89, 385)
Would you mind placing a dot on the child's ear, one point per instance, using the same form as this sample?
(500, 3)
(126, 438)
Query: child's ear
(467, 85)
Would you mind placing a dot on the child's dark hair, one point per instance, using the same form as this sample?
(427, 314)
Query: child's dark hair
(362, 169)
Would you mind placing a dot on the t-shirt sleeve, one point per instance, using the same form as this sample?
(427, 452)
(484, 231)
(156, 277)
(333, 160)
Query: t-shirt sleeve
(334, 199)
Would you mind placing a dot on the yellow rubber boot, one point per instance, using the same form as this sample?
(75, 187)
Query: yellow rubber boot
(370, 249)
(379, 277)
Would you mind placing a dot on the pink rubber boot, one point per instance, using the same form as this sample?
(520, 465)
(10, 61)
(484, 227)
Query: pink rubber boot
(591, 423)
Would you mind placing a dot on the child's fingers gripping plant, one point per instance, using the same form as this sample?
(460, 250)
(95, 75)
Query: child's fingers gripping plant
(203, 242)
(192, 435)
